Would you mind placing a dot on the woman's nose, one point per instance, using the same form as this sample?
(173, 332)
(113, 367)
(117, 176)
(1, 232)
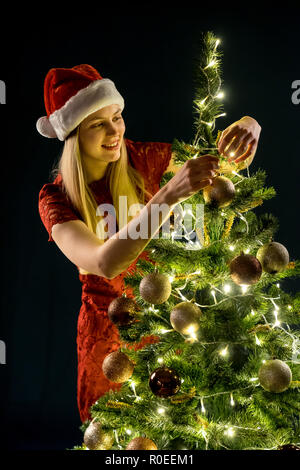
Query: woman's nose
(112, 128)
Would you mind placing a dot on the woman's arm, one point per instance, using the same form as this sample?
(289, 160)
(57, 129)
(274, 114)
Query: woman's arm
(115, 255)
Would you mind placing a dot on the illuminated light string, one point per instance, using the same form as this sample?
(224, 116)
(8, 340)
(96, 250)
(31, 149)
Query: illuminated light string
(117, 439)
(230, 393)
(244, 288)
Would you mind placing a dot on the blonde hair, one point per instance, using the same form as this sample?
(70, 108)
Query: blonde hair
(121, 178)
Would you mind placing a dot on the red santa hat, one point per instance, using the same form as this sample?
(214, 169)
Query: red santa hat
(71, 95)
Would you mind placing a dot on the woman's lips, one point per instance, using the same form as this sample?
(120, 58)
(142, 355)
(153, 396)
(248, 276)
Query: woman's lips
(113, 146)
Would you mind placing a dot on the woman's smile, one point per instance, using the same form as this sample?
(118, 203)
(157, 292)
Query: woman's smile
(113, 146)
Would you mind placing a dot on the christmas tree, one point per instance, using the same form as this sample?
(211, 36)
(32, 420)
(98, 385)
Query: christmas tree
(225, 370)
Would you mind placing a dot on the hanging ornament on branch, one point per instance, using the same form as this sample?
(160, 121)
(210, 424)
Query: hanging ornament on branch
(245, 270)
(164, 382)
(220, 193)
(121, 311)
(141, 443)
(275, 376)
(155, 288)
(95, 438)
(273, 256)
(117, 367)
(184, 317)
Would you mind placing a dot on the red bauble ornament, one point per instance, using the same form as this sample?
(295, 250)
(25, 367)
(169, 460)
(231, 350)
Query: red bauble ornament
(164, 382)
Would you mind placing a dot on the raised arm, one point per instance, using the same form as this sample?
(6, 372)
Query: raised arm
(111, 257)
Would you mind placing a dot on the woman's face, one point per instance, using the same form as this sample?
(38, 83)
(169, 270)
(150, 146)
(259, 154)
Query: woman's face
(101, 134)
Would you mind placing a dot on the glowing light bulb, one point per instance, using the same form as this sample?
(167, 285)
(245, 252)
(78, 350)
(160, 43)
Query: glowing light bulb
(211, 64)
(230, 432)
(247, 251)
(128, 431)
(203, 410)
(244, 288)
(220, 95)
(161, 411)
(231, 248)
(257, 341)
(192, 331)
(231, 155)
(289, 307)
(171, 278)
(252, 312)
(227, 288)
(160, 360)
(214, 295)
(224, 351)
(231, 400)
(163, 331)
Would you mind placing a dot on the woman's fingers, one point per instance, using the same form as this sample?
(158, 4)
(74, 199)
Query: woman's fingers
(204, 159)
(205, 183)
(226, 138)
(248, 152)
(235, 142)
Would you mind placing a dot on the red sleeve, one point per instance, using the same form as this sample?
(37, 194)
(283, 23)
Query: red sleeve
(150, 158)
(54, 207)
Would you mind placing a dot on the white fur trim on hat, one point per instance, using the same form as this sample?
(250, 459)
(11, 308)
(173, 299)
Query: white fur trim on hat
(96, 95)
(45, 128)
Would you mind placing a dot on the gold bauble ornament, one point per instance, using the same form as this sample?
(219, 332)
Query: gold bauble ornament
(95, 438)
(245, 270)
(141, 443)
(117, 367)
(121, 311)
(275, 376)
(184, 317)
(220, 193)
(273, 257)
(155, 288)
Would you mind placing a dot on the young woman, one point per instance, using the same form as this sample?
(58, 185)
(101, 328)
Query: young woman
(98, 164)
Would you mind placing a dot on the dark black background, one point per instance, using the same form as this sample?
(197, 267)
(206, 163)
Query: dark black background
(148, 53)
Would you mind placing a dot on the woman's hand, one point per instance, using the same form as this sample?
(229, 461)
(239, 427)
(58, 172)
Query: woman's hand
(195, 174)
(240, 140)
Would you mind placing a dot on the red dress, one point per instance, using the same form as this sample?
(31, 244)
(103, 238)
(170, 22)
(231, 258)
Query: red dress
(97, 336)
